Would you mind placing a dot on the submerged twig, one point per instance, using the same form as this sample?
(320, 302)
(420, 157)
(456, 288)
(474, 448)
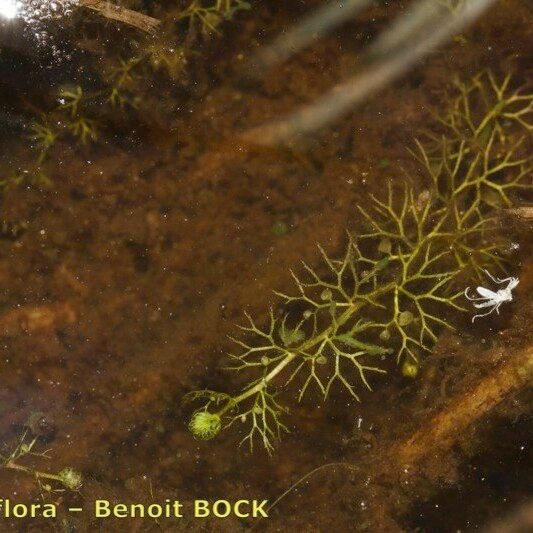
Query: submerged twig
(525, 213)
(122, 14)
(443, 430)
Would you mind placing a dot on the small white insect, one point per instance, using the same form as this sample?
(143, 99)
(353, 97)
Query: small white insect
(493, 299)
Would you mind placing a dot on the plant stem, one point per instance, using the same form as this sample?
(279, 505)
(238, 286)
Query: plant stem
(41, 475)
(353, 308)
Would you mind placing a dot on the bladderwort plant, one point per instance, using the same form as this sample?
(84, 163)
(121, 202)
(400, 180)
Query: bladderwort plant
(209, 15)
(82, 116)
(73, 117)
(68, 478)
(170, 51)
(67, 120)
(398, 283)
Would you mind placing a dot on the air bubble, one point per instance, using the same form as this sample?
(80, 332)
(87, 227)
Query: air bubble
(36, 14)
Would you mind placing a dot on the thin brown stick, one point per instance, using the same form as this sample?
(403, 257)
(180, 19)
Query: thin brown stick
(525, 213)
(122, 14)
(442, 431)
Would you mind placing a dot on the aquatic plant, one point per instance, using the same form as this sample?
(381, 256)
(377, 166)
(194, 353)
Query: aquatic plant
(68, 478)
(121, 78)
(482, 105)
(209, 16)
(396, 285)
(167, 52)
(70, 106)
(31, 177)
(170, 50)
(44, 138)
(171, 59)
(480, 147)
(70, 100)
(127, 76)
(84, 129)
(68, 118)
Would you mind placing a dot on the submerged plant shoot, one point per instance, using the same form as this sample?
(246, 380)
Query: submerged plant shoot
(402, 274)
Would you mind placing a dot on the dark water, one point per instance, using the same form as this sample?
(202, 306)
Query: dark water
(133, 241)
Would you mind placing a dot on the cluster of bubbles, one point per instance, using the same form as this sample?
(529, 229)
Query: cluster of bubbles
(37, 14)
(35, 11)
(38, 11)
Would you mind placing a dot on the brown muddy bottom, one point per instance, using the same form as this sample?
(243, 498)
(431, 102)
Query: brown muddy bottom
(121, 282)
